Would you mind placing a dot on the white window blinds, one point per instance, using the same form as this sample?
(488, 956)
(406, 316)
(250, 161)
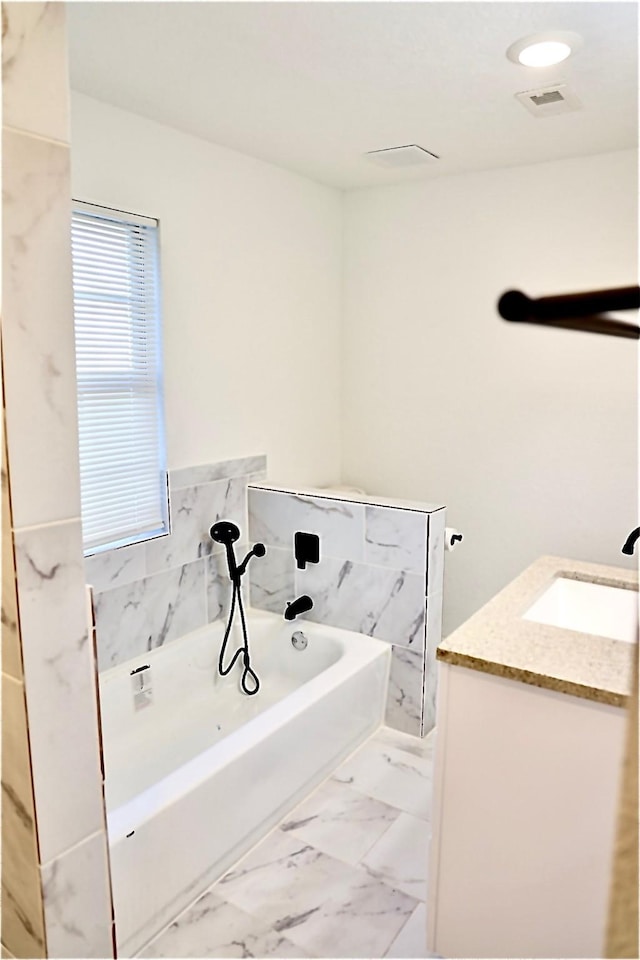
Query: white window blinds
(120, 419)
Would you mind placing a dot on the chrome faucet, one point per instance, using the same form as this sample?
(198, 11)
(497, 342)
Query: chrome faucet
(301, 605)
(630, 542)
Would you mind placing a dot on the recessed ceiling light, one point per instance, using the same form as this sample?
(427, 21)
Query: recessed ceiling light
(544, 49)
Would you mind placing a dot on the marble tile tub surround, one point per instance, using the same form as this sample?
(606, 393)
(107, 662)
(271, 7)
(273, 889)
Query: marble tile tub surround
(52, 695)
(380, 573)
(344, 874)
(150, 593)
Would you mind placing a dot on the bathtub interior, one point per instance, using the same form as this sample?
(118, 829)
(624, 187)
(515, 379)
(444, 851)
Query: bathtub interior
(161, 710)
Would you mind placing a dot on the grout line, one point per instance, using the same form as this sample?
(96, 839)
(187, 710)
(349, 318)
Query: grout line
(421, 903)
(158, 573)
(8, 128)
(91, 836)
(42, 526)
(358, 563)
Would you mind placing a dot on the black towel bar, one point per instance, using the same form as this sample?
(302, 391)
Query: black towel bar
(575, 311)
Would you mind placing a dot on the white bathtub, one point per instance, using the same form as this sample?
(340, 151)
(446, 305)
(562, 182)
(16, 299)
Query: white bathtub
(196, 777)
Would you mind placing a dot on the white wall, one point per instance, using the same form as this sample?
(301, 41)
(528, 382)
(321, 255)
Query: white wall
(251, 270)
(529, 435)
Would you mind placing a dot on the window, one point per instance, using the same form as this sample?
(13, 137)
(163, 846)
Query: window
(117, 328)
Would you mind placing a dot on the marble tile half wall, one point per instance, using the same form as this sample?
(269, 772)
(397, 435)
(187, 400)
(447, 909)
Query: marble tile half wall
(380, 573)
(148, 594)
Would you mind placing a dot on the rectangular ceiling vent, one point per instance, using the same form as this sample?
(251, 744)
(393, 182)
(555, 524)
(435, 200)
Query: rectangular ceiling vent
(410, 155)
(549, 101)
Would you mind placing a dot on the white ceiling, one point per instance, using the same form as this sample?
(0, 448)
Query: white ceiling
(311, 86)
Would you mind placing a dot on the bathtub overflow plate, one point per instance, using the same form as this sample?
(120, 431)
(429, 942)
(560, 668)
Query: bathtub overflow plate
(299, 640)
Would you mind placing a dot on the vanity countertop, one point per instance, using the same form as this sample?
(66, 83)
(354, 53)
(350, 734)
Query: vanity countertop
(497, 640)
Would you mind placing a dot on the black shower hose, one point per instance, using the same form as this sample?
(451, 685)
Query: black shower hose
(242, 651)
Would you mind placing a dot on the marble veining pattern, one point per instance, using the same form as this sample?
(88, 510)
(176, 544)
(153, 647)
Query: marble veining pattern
(320, 902)
(332, 879)
(149, 612)
(77, 901)
(274, 518)
(218, 583)
(433, 637)
(340, 822)
(381, 603)
(60, 685)
(38, 343)
(404, 699)
(22, 919)
(271, 578)
(391, 775)
(115, 568)
(396, 538)
(379, 561)
(193, 512)
(41, 436)
(34, 46)
(152, 592)
(214, 928)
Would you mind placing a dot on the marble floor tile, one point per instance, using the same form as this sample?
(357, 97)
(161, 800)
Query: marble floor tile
(342, 876)
(274, 878)
(399, 857)
(412, 939)
(421, 747)
(393, 776)
(340, 821)
(214, 928)
(357, 921)
(323, 905)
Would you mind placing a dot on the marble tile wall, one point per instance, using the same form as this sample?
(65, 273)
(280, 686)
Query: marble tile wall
(51, 771)
(380, 573)
(148, 594)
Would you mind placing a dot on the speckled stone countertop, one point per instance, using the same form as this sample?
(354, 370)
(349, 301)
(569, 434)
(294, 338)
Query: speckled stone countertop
(497, 640)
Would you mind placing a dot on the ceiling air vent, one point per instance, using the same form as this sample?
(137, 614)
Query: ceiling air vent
(410, 155)
(549, 101)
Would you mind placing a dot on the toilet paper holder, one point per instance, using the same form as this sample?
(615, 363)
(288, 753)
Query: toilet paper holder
(452, 538)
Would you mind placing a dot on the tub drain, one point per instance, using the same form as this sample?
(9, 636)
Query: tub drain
(299, 640)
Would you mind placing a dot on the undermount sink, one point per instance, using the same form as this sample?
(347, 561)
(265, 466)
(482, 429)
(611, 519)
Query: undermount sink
(588, 608)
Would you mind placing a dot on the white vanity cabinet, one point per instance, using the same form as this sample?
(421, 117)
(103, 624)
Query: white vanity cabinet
(525, 795)
(526, 784)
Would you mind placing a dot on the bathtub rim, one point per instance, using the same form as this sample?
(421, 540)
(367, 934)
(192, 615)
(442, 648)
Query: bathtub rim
(358, 651)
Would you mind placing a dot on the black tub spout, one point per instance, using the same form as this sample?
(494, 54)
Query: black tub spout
(301, 605)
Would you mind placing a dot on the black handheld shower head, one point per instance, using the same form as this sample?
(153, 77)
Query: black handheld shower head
(224, 532)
